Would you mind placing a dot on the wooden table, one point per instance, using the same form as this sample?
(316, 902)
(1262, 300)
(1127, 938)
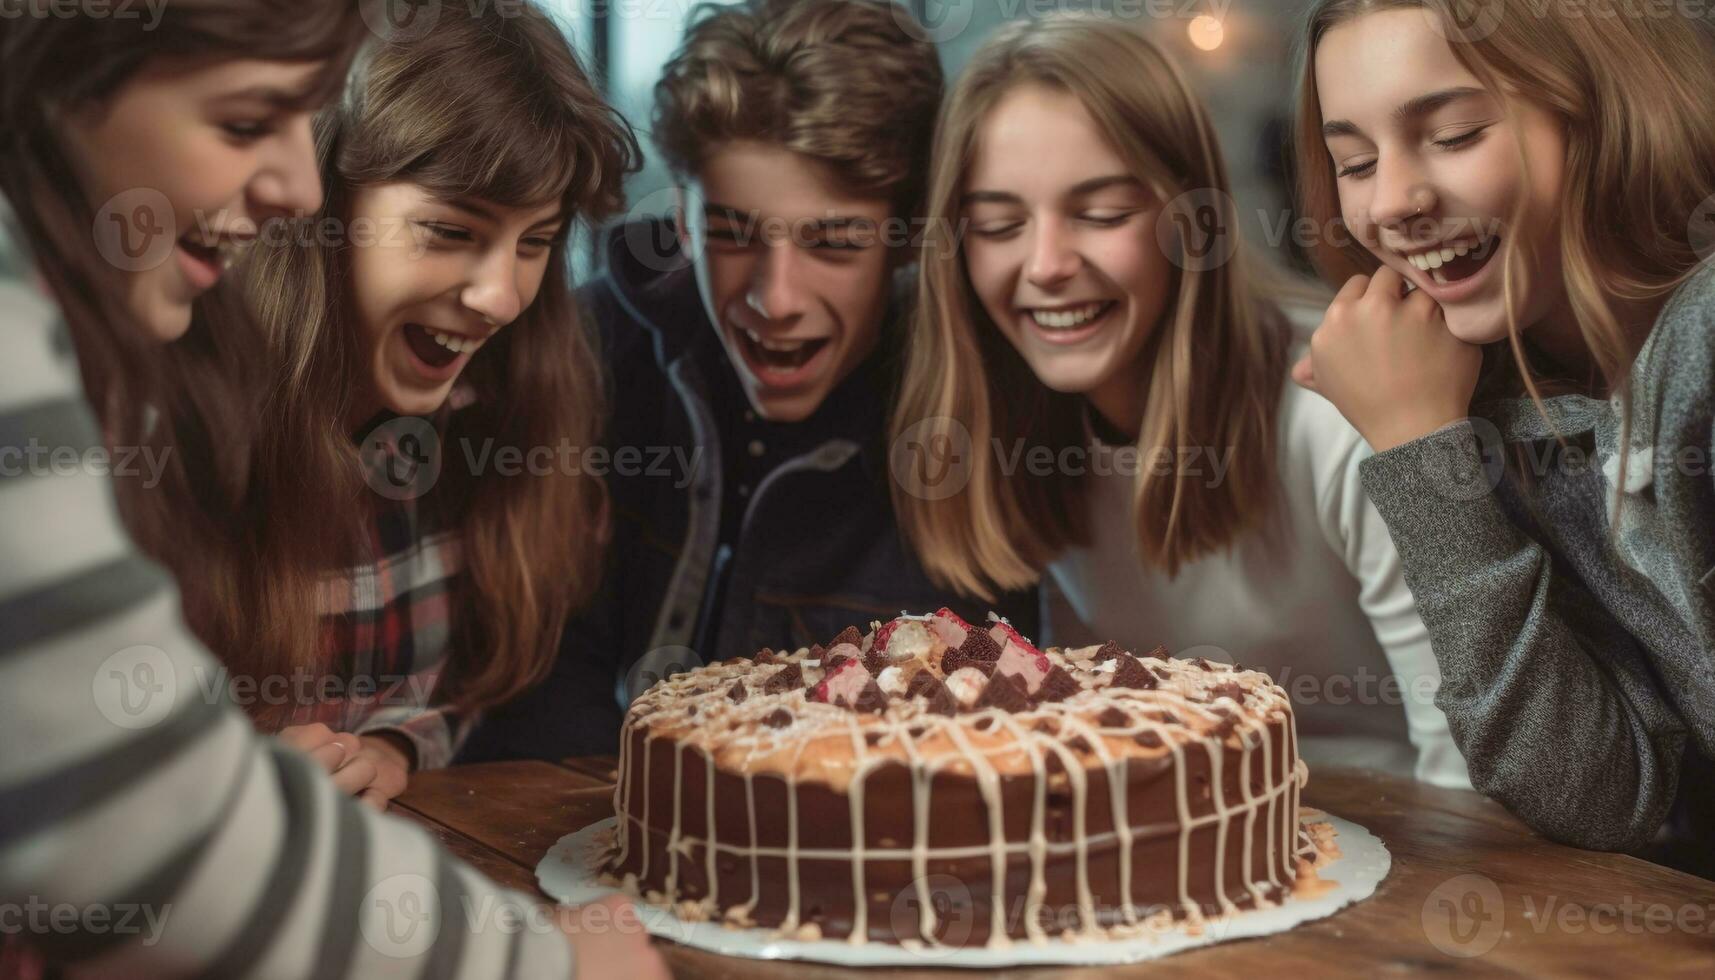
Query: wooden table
(1471, 889)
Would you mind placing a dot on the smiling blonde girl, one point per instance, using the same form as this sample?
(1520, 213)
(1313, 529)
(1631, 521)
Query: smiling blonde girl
(1540, 402)
(1195, 497)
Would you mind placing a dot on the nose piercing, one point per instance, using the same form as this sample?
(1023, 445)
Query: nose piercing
(1421, 199)
(751, 301)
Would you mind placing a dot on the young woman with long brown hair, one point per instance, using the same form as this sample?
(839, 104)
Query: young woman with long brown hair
(135, 151)
(1540, 402)
(429, 340)
(1193, 495)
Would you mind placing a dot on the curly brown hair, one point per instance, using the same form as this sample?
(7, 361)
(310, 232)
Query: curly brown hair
(845, 82)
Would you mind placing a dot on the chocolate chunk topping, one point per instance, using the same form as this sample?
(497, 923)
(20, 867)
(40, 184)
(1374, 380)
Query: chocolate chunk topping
(737, 692)
(764, 656)
(1112, 717)
(875, 662)
(1046, 726)
(1148, 740)
(979, 645)
(817, 651)
(871, 700)
(984, 724)
(1159, 653)
(923, 684)
(872, 738)
(785, 679)
(916, 731)
(1203, 662)
(1079, 744)
(1003, 692)
(778, 718)
(942, 702)
(834, 662)
(848, 635)
(1228, 689)
(1057, 685)
(1132, 673)
(1109, 651)
(1229, 721)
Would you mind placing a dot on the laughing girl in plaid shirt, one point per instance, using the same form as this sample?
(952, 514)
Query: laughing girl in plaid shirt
(434, 329)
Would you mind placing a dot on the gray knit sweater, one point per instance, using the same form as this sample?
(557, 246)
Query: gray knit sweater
(1578, 676)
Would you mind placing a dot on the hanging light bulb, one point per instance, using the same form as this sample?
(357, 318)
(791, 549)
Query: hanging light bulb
(1206, 32)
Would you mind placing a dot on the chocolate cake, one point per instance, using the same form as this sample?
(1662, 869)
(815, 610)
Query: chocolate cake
(932, 782)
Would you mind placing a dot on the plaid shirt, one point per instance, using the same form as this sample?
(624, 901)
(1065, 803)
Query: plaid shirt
(386, 624)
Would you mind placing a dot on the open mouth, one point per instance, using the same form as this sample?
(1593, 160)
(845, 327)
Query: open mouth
(781, 359)
(202, 262)
(1457, 261)
(437, 348)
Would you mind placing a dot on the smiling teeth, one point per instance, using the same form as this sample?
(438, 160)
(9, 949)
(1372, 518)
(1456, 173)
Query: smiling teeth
(1428, 261)
(776, 346)
(453, 342)
(1066, 319)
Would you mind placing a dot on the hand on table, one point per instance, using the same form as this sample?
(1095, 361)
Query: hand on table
(1389, 363)
(370, 767)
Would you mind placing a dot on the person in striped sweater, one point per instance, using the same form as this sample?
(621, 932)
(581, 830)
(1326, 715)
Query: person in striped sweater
(132, 793)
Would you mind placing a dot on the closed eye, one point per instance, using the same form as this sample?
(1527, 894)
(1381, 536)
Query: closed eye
(445, 232)
(1463, 139)
(1358, 170)
(247, 131)
(1108, 220)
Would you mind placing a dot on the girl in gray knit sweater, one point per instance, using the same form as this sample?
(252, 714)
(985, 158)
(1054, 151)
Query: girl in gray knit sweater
(1525, 209)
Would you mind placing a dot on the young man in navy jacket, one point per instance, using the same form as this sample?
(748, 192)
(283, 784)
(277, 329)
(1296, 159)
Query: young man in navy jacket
(752, 342)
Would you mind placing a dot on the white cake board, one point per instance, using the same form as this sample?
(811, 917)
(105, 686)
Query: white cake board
(568, 873)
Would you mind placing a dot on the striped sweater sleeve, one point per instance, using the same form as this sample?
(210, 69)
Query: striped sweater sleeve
(145, 830)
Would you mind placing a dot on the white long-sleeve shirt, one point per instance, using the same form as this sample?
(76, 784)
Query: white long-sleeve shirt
(145, 829)
(1320, 602)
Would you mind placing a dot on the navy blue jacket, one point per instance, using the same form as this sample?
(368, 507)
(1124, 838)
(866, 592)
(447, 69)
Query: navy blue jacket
(811, 544)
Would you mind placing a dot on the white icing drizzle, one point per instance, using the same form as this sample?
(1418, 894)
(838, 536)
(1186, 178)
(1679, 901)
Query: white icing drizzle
(732, 737)
(622, 793)
(713, 899)
(988, 783)
(674, 839)
(860, 904)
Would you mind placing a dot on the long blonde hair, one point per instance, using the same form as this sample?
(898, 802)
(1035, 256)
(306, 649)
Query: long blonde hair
(1631, 94)
(1213, 367)
(492, 106)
